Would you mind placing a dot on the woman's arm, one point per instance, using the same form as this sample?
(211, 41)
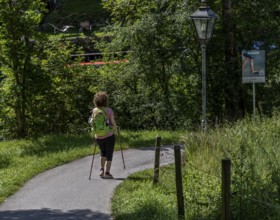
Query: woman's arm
(113, 123)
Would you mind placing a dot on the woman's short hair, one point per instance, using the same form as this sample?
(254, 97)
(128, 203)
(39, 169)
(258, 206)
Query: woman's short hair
(100, 99)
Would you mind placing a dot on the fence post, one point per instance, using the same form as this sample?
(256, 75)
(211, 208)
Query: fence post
(226, 193)
(179, 183)
(157, 156)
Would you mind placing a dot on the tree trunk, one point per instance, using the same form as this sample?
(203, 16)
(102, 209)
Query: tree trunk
(233, 90)
(20, 114)
(21, 107)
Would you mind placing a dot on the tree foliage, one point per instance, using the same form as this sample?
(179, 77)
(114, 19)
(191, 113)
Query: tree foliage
(19, 49)
(44, 91)
(166, 55)
(40, 91)
(64, 103)
(127, 11)
(160, 56)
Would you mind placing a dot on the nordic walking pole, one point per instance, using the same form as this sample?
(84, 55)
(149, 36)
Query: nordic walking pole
(92, 160)
(119, 133)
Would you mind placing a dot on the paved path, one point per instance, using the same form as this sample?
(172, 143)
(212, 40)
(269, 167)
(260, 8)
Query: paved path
(66, 193)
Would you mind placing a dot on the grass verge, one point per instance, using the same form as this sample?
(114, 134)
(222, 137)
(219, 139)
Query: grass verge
(137, 198)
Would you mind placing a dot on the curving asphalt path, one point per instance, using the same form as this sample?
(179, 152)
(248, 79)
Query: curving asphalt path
(66, 193)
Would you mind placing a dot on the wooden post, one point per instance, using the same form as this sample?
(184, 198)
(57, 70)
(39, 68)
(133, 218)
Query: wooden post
(157, 161)
(226, 193)
(179, 183)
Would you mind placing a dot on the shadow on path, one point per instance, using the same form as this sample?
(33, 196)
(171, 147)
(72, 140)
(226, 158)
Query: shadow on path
(52, 214)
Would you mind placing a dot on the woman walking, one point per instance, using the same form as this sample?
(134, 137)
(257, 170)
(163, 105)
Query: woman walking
(104, 126)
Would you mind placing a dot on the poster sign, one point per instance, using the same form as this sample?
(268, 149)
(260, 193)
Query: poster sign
(253, 66)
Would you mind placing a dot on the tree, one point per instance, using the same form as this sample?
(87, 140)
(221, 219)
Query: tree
(65, 101)
(155, 30)
(128, 11)
(18, 45)
(244, 23)
(42, 89)
(160, 57)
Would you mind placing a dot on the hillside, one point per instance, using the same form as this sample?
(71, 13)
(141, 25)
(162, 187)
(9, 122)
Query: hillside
(72, 12)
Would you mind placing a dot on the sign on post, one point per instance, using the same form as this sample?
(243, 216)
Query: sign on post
(253, 70)
(253, 66)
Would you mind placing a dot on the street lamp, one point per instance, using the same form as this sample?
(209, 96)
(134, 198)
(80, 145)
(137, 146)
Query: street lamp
(204, 19)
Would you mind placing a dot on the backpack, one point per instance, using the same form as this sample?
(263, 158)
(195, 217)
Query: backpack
(100, 123)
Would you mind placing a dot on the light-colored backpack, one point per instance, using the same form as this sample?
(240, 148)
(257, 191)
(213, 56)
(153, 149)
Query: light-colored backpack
(100, 122)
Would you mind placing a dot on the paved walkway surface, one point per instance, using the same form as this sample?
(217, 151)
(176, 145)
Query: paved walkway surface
(66, 193)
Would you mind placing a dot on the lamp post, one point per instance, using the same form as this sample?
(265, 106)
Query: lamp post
(204, 19)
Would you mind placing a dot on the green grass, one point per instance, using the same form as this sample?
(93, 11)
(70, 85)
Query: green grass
(21, 160)
(253, 145)
(137, 198)
(147, 138)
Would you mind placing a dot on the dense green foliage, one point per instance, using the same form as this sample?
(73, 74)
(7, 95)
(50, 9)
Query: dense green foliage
(160, 86)
(20, 160)
(156, 78)
(252, 145)
(42, 90)
(18, 60)
(166, 55)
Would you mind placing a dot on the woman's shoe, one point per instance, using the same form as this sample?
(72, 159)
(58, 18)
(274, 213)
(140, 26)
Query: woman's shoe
(108, 175)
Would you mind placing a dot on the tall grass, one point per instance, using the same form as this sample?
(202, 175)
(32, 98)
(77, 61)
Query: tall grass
(253, 147)
(20, 160)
